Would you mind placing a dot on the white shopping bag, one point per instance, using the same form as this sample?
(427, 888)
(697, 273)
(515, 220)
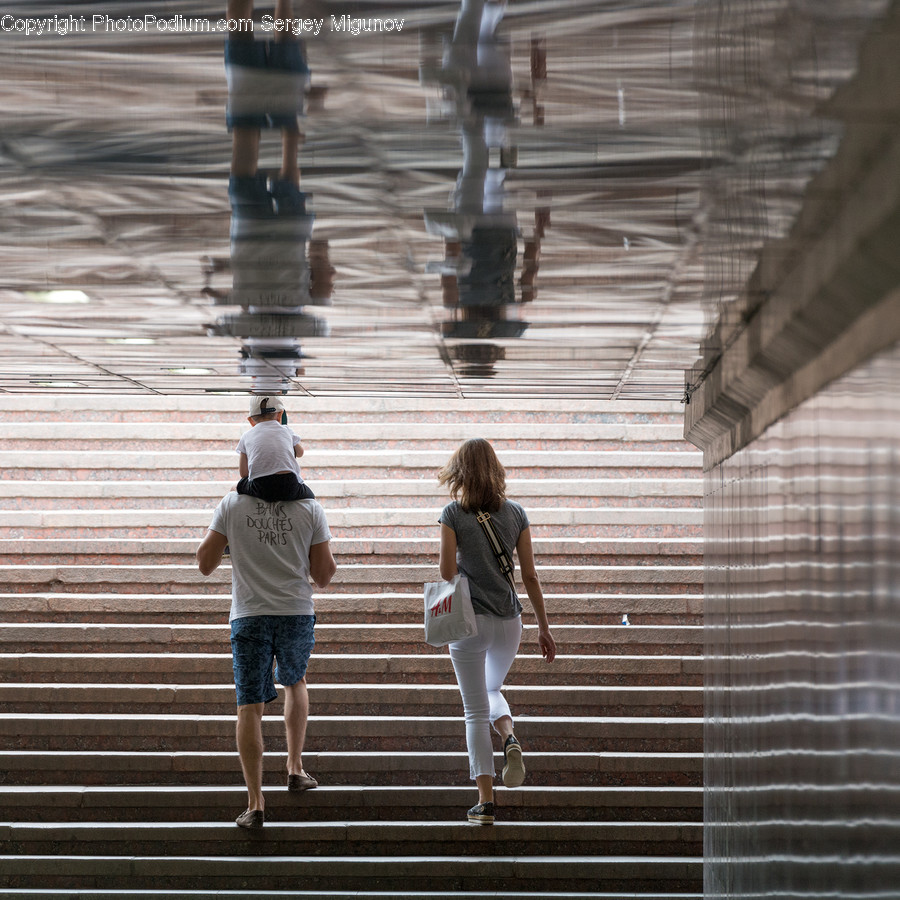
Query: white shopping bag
(448, 611)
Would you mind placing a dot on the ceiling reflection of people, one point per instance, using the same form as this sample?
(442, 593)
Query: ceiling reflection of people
(481, 236)
(277, 269)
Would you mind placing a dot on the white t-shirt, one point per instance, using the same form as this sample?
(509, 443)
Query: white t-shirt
(270, 448)
(269, 545)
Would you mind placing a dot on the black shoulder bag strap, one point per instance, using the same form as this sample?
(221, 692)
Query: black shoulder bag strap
(506, 566)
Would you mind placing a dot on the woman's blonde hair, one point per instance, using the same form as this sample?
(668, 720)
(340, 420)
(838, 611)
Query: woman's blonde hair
(476, 477)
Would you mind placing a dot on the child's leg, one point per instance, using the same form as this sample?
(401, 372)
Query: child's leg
(280, 488)
(245, 486)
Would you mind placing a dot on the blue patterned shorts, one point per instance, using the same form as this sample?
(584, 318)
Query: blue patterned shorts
(259, 641)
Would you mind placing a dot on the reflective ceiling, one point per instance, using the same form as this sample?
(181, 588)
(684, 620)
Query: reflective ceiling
(540, 199)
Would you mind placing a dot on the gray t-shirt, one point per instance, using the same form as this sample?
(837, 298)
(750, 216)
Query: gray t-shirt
(269, 545)
(488, 586)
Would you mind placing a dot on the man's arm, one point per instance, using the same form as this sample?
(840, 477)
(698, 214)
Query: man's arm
(209, 553)
(321, 564)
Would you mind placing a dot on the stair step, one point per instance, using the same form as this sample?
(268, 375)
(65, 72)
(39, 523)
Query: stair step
(397, 894)
(120, 776)
(138, 528)
(411, 577)
(180, 551)
(422, 499)
(145, 638)
(398, 768)
(120, 732)
(90, 436)
(210, 464)
(233, 407)
(511, 875)
(423, 803)
(350, 699)
(569, 609)
(383, 492)
(395, 838)
(194, 668)
(407, 520)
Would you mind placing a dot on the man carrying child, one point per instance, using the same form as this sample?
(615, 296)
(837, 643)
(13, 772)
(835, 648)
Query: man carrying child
(279, 549)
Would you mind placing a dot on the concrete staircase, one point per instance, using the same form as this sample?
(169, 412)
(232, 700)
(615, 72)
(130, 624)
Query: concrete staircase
(119, 773)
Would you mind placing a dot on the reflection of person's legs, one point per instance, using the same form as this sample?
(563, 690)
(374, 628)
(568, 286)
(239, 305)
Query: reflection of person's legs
(291, 137)
(244, 137)
(468, 24)
(291, 142)
(321, 271)
(284, 9)
(272, 84)
(244, 151)
(239, 9)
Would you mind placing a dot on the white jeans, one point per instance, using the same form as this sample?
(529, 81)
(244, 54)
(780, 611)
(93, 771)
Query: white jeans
(481, 664)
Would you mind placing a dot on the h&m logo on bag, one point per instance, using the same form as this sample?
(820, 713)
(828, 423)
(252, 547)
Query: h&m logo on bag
(442, 607)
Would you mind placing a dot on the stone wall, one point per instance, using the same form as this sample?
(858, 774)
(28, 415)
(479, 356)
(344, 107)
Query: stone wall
(802, 626)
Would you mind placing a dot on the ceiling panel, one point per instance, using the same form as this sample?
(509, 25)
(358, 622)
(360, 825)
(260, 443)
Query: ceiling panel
(552, 207)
